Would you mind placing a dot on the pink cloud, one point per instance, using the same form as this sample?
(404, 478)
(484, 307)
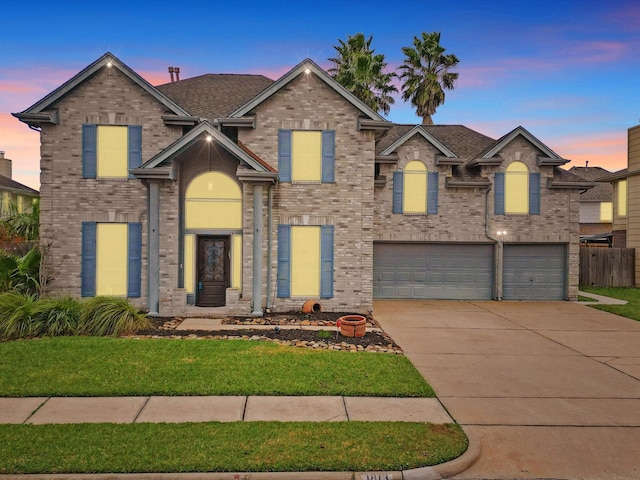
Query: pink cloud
(22, 145)
(605, 149)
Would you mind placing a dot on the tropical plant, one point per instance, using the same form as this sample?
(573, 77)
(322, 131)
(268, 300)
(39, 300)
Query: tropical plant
(361, 71)
(426, 74)
(20, 273)
(17, 316)
(25, 225)
(111, 316)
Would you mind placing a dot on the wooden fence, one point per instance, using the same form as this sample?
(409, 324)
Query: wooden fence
(607, 267)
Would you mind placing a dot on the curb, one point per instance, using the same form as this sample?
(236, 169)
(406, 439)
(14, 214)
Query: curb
(448, 469)
(436, 472)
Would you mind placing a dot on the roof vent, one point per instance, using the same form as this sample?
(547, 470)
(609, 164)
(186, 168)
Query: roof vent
(175, 70)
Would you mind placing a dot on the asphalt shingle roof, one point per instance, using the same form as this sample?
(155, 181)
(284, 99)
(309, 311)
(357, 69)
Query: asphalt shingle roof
(216, 95)
(602, 192)
(7, 183)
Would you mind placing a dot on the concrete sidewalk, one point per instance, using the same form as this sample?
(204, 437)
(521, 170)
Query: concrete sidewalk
(152, 409)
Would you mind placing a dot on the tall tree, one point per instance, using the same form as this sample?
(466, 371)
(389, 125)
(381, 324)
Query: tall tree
(362, 72)
(425, 73)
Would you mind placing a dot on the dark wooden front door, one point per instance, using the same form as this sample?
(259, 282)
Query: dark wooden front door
(213, 271)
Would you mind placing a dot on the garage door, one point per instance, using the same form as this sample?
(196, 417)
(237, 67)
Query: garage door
(432, 271)
(534, 272)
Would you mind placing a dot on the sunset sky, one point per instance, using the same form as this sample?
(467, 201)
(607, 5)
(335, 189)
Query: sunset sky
(566, 70)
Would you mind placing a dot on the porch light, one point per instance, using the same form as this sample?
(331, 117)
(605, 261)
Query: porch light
(307, 70)
(209, 138)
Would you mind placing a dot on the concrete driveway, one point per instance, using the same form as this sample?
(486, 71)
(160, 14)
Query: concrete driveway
(551, 389)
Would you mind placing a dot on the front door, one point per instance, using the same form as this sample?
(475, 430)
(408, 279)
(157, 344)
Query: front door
(213, 271)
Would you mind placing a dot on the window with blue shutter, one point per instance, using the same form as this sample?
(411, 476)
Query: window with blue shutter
(284, 155)
(534, 194)
(284, 261)
(398, 190)
(432, 193)
(88, 269)
(93, 154)
(89, 152)
(134, 271)
(499, 193)
(326, 261)
(328, 156)
(135, 147)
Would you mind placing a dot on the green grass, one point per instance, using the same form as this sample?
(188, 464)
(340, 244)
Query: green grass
(226, 447)
(631, 295)
(95, 366)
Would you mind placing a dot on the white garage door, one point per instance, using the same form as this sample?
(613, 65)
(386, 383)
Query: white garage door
(534, 272)
(432, 271)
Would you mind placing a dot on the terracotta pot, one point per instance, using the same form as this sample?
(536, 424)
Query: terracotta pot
(352, 325)
(311, 306)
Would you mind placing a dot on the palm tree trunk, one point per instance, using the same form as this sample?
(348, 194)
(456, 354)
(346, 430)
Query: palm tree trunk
(427, 120)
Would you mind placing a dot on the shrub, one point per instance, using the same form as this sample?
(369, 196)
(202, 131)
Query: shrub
(111, 316)
(17, 316)
(58, 316)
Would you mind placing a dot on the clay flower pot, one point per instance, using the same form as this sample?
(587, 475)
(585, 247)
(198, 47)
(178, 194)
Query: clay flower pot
(352, 325)
(311, 306)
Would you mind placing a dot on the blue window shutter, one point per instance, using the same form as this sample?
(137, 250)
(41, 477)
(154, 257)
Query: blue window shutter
(134, 272)
(499, 193)
(135, 147)
(326, 261)
(398, 185)
(89, 151)
(284, 261)
(284, 155)
(88, 273)
(432, 193)
(328, 156)
(534, 194)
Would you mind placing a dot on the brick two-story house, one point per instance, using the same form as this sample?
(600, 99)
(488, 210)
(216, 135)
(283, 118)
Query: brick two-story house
(234, 193)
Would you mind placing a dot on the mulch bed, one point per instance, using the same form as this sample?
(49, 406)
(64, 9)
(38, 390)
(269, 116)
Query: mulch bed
(300, 337)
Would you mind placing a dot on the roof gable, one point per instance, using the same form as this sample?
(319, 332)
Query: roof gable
(306, 67)
(418, 130)
(184, 142)
(108, 60)
(521, 131)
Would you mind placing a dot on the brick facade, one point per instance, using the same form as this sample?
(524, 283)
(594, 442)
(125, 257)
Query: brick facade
(359, 209)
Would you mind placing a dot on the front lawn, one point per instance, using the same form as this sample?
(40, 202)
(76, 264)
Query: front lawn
(226, 447)
(631, 295)
(94, 366)
(90, 366)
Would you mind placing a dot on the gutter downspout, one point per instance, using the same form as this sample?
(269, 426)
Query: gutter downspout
(499, 247)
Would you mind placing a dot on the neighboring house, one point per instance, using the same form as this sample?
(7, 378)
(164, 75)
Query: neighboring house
(626, 200)
(229, 194)
(12, 192)
(596, 206)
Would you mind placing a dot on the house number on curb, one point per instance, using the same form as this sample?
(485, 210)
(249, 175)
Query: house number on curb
(377, 476)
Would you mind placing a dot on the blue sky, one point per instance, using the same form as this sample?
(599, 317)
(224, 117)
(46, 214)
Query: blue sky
(568, 71)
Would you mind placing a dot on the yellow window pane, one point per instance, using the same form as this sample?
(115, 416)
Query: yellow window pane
(415, 188)
(213, 200)
(606, 211)
(516, 186)
(202, 214)
(112, 259)
(306, 156)
(113, 152)
(6, 199)
(214, 185)
(622, 198)
(189, 265)
(236, 280)
(305, 261)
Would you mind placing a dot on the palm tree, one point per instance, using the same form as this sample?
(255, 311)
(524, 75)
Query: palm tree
(361, 71)
(426, 74)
